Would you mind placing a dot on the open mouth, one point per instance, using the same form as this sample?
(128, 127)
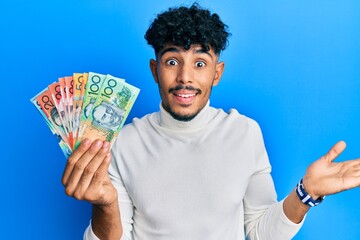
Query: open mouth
(186, 95)
(184, 98)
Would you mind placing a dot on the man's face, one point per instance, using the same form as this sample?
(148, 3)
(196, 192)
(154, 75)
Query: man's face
(56, 118)
(185, 79)
(104, 115)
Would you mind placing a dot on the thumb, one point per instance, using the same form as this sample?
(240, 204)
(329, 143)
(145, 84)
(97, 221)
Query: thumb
(335, 151)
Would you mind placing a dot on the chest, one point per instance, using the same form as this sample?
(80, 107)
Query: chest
(205, 175)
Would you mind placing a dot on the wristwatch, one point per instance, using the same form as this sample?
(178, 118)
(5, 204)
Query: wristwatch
(305, 197)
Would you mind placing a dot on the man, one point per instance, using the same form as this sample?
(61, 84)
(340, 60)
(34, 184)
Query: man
(191, 171)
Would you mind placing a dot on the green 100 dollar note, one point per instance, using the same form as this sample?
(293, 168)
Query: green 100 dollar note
(93, 86)
(110, 110)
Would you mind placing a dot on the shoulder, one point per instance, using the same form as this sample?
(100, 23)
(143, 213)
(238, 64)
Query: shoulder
(133, 130)
(235, 125)
(235, 118)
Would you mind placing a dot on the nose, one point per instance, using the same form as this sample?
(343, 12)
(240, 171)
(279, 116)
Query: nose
(185, 74)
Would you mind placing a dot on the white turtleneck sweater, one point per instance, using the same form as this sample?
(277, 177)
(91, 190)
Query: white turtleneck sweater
(208, 178)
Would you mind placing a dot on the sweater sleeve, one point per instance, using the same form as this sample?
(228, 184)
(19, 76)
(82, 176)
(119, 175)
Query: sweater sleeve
(263, 215)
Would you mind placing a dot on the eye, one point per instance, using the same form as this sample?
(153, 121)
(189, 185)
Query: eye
(172, 62)
(200, 64)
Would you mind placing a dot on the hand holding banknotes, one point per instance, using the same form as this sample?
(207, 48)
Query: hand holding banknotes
(87, 112)
(85, 176)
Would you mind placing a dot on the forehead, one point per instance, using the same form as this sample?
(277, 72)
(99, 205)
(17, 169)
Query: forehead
(100, 109)
(195, 49)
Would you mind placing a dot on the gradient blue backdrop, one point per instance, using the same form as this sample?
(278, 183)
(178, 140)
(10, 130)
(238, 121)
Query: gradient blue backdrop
(291, 65)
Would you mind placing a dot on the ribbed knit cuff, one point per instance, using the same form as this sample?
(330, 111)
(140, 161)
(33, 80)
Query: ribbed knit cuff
(89, 234)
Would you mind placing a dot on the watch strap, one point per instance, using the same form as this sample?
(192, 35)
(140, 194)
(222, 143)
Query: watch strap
(305, 197)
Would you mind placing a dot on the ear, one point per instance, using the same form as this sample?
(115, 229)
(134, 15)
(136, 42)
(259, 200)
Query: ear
(153, 68)
(219, 69)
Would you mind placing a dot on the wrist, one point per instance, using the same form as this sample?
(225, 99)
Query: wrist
(106, 222)
(108, 206)
(294, 209)
(307, 188)
(305, 197)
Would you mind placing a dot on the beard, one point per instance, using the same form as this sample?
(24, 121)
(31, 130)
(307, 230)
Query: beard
(183, 118)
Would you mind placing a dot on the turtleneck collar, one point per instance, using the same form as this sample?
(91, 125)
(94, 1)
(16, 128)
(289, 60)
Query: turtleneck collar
(201, 119)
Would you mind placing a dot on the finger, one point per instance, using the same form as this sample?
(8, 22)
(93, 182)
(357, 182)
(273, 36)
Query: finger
(80, 165)
(102, 171)
(335, 151)
(75, 156)
(96, 192)
(90, 170)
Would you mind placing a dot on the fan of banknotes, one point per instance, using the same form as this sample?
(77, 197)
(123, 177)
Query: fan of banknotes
(85, 105)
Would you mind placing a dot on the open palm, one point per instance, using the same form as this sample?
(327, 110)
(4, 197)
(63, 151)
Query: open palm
(325, 177)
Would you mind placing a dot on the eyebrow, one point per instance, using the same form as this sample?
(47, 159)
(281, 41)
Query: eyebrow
(201, 50)
(168, 49)
(176, 50)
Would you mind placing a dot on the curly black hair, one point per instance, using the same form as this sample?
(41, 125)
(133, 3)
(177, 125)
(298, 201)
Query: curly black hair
(183, 26)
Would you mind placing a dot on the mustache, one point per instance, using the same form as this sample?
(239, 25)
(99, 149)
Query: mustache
(184, 87)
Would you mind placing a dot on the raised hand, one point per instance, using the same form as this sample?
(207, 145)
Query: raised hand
(85, 176)
(325, 177)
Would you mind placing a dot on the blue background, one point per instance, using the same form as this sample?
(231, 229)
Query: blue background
(294, 66)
